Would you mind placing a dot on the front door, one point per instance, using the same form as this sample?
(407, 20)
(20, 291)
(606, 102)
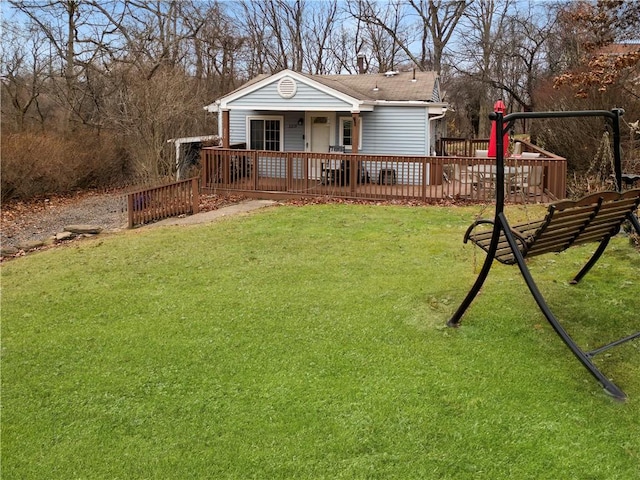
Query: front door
(320, 133)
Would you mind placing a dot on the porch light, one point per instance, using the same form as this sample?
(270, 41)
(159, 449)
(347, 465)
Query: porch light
(300, 122)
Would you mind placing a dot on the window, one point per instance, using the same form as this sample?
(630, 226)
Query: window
(347, 138)
(265, 133)
(346, 132)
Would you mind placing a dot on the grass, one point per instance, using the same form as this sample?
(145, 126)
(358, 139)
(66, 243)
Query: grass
(309, 343)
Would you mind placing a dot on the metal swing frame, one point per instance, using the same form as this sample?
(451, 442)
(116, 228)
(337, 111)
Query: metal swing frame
(503, 232)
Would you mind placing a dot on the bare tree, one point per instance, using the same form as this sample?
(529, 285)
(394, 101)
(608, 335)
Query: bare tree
(275, 32)
(23, 73)
(77, 37)
(484, 23)
(433, 23)
(219, 50)
(58, 22)
(384, 30)
(438, 21)
(321, 26)
(522, 60)
(301, 35)
(145, 113)
(345, 44)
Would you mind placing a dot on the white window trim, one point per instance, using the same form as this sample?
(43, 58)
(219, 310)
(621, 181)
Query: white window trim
(350, 119)
(280, 118)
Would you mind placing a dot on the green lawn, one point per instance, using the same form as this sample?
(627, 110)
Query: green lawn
(310, 343)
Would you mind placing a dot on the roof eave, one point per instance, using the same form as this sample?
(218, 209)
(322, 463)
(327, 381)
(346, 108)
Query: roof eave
(213, 107)
(410, 103)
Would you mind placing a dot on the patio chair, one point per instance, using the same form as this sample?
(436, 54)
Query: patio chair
(333, 169)
(337, 171)
(532, 182)
(527, 180)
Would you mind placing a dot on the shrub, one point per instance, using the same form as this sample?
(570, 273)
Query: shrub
(37, 164)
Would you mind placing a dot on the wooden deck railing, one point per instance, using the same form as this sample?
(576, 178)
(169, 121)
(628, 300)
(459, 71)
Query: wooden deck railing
(296, 174)
(157, 203)
(461, 147)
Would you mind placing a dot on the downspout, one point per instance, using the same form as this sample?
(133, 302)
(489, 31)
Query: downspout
(438, 117)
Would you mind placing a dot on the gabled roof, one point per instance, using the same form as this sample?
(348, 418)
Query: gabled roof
(362, 91)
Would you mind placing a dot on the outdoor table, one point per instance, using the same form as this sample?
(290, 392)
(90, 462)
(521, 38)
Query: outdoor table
(486, 175)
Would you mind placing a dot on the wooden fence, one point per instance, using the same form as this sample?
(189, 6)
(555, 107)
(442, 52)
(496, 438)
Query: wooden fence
(157, 203)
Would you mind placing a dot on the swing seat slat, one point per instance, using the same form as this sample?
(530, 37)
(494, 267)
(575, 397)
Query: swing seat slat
(594, 218)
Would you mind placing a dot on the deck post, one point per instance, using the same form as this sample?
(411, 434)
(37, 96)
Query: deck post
(226, 143)
(425, 164)
(288, 173)
(130, 210)
(254, 172)
(204, 162)
(195, 189)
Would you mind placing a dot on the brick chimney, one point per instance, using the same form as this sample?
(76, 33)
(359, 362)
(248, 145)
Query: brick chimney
(360, 59)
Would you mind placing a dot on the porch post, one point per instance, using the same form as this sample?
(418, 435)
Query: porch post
(355, 141)
(225, 129)
(355, 134)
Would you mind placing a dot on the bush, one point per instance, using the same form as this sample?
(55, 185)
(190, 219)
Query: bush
(579, 140)
(38, 164)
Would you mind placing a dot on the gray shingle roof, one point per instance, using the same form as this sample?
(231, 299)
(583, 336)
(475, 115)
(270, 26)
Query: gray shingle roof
(398, 87)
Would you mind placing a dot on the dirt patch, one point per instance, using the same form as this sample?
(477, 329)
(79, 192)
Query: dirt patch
(41, 218)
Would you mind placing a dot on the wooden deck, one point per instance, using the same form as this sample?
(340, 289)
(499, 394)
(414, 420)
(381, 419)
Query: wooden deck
(266, 174)
(277, 188)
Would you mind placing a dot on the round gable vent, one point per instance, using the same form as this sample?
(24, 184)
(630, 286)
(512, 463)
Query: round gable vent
(287, 87)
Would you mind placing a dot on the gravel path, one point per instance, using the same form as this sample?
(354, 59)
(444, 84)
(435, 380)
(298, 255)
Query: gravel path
(41, 221)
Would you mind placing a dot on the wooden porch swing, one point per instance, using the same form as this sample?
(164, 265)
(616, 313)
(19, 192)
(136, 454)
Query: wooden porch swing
(595, 218)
